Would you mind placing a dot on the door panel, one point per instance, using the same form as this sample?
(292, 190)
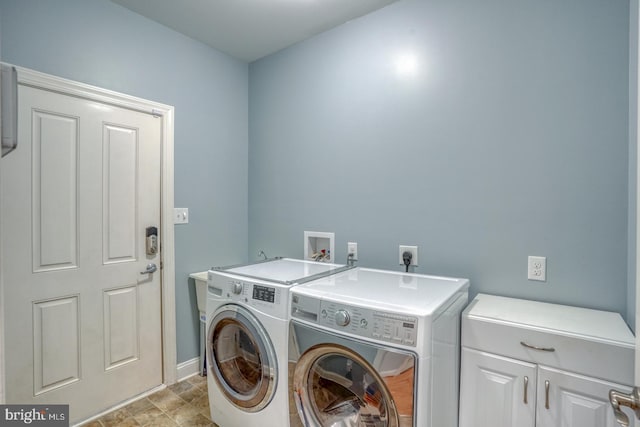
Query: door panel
(496, 391)
(574, 400)
(120, 327)
(83, 325)
(56, 344)
(55, 189)
(120, 189)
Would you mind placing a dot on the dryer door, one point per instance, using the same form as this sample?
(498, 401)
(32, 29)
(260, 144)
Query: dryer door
(241, 358)
(336, 386)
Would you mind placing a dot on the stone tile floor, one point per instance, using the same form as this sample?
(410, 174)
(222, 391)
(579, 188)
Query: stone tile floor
(184, 404)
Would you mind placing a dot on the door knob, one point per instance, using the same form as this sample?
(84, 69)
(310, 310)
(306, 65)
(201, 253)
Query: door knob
(631, 400)
(151, 268)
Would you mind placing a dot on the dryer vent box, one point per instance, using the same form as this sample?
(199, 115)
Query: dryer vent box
(319, 246)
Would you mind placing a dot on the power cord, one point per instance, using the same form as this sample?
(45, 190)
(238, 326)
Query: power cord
(406, 258)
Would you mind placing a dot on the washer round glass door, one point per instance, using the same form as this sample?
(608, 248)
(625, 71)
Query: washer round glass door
(335, 386)
(241, 358)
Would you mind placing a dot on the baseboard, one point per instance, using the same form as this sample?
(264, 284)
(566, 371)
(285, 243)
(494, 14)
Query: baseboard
(184, 370)
(121, 405)
(188, 368)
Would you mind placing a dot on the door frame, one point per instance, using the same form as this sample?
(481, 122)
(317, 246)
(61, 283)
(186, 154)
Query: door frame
(165, 113)
(634, 133)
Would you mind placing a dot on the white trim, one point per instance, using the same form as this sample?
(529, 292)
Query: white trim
(2, 322)
(635, 28)
(81, 90)
(169, 332)
(188, 369)
(184, 370)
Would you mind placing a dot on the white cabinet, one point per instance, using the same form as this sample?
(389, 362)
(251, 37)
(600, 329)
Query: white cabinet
(530, 364)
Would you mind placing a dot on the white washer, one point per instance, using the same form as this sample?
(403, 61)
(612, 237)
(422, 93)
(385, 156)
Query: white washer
(376, 348)
(247, 324)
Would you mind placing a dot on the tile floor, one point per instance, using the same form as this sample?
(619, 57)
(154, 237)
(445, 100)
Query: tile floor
(184, 404)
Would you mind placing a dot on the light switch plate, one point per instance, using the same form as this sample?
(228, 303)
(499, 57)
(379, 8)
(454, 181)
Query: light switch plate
(180, 215)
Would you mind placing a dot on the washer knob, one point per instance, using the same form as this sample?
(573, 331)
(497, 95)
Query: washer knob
(342, 318)
(237, 288)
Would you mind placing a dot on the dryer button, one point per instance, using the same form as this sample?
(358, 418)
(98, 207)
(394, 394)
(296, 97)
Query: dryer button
(342, 318)
(237, 288)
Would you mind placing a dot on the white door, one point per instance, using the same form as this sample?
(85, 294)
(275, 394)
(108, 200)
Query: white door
(83, 324)
(496, 391)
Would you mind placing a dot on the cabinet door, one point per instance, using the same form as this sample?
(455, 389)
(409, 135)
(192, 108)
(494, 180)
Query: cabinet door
(571, 400)
(496, 391)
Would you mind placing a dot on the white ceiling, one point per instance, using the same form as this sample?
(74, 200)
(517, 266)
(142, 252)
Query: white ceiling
(251, 29)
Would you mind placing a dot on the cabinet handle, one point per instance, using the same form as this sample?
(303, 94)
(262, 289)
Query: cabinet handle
(526, 388)
(536, 347)
(546, 394)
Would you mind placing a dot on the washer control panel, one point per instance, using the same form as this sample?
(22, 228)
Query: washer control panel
(268, 298)
(379, 325)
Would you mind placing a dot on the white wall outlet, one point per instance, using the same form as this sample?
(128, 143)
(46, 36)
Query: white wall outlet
(352, 249)
(414, 254)
(537, 268)
(180, 215)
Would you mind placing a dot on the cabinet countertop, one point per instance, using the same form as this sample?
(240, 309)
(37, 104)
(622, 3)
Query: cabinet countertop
(560, 319)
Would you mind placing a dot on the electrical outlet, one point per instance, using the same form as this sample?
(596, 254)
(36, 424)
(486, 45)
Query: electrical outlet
(181, 215)
(414, 254)
(537, 268)
(352, 249)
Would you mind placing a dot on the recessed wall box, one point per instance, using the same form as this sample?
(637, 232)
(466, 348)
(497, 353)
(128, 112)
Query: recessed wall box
(319, 246)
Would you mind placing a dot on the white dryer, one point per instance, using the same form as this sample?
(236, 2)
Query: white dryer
(376, 348)
(247, 336)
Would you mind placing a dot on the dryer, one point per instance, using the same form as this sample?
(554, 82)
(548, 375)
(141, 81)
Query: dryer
(376, 348)
(247, 339)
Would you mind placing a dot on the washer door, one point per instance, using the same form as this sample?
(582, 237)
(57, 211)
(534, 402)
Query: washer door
(334, 386)
(241, 358)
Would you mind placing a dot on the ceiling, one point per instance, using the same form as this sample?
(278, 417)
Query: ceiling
(251, 29)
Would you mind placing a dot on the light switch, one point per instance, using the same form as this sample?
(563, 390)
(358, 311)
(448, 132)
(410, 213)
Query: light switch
(181, 215)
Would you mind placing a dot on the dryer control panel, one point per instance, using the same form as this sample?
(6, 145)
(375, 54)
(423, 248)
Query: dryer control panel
(267, 298)
(379, 325)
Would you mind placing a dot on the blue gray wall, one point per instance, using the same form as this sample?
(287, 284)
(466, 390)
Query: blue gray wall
(510, 140)
(100, 43)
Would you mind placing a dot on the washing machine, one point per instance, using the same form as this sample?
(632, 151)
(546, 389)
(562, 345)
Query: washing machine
(374, 348)
(247, 339)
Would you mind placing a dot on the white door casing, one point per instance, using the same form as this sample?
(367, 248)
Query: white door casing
(2, 398)
(64, 247)
(634, 132)
(635, 124)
